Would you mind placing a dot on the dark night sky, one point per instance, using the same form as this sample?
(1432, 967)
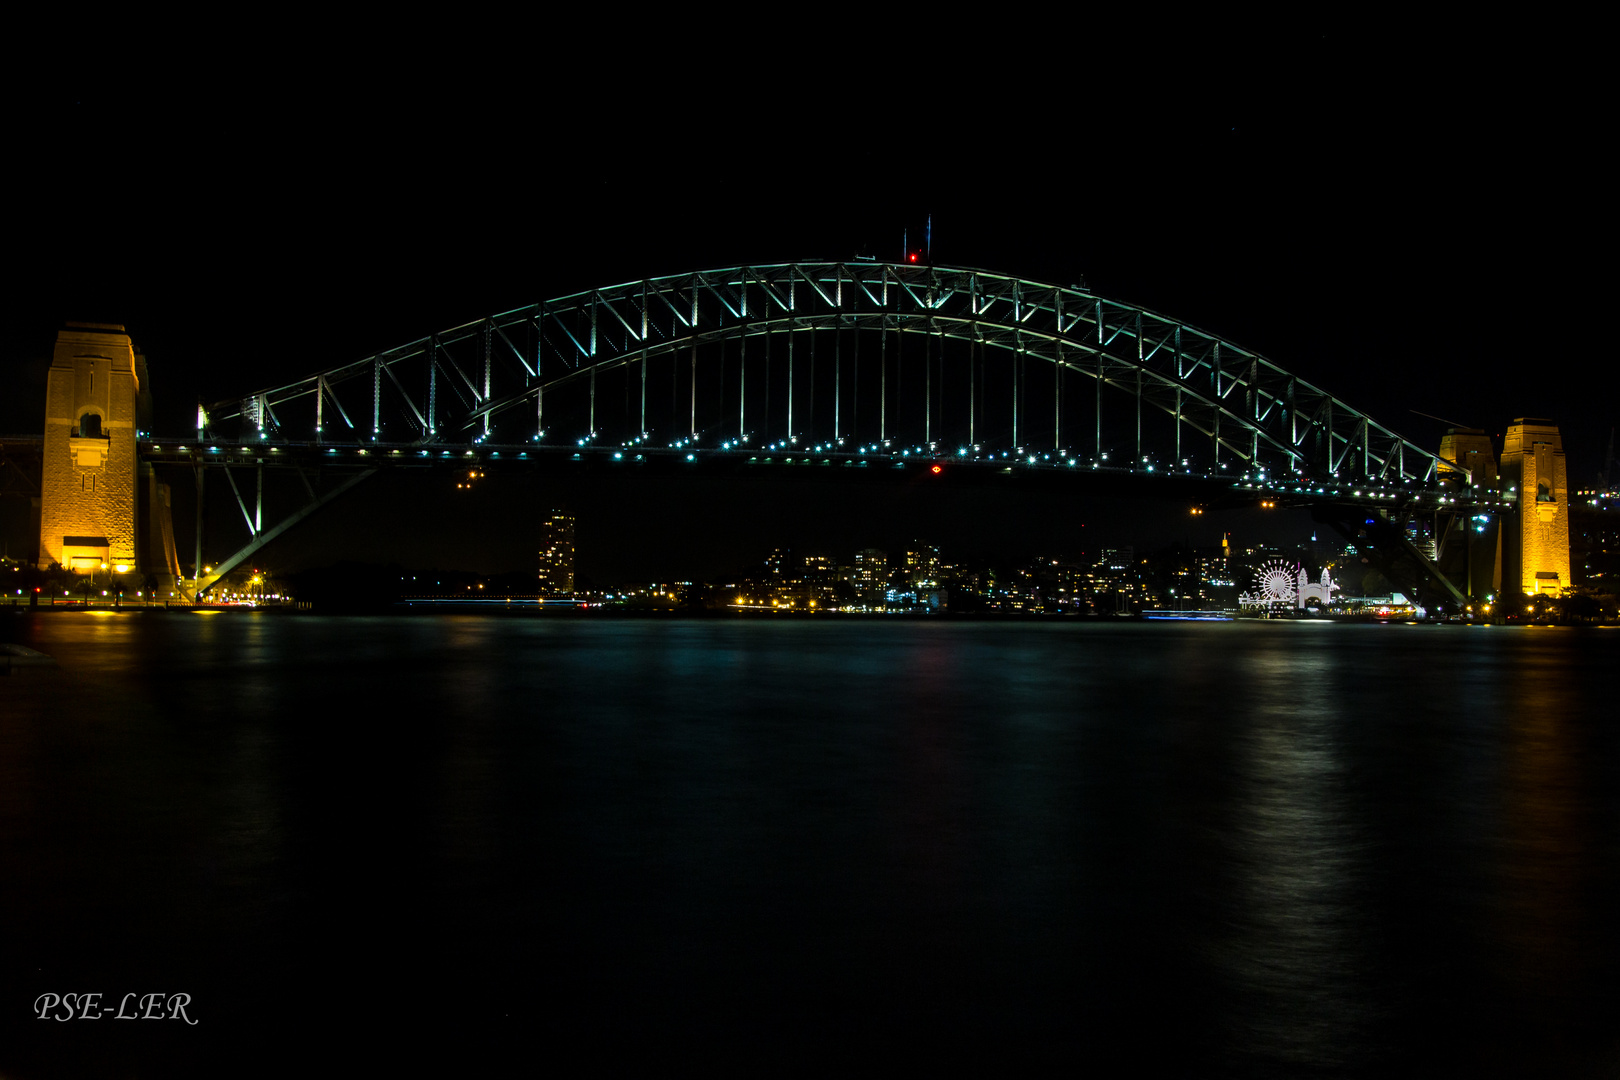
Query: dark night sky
(1404, 219)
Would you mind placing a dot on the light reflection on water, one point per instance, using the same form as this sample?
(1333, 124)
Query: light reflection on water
(1283, 850)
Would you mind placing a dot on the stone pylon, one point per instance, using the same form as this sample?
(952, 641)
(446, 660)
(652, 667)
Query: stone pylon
(1537, 544)
(95, 495)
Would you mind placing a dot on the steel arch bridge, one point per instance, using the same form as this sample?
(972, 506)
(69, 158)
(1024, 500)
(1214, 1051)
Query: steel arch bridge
(1080, 376)
(855, 363)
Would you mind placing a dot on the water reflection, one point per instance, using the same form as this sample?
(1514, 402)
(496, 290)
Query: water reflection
(1553, 938)
(1292, 955)
(1343, 851)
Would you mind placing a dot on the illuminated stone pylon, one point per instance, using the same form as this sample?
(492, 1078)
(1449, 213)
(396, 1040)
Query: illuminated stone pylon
(1537, 548)
(1475, 559)
(87, 504)
(90, 501)
(1467, 451)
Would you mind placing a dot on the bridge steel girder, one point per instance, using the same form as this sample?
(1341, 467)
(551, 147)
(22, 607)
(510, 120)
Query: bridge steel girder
(1381, 540)
(1256, 415)
(206, 582)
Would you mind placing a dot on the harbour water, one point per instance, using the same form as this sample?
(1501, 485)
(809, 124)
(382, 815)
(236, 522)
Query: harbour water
(1247, 849)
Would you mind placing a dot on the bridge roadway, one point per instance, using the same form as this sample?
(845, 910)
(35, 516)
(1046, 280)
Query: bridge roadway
(1370, 514)
(1238, 489)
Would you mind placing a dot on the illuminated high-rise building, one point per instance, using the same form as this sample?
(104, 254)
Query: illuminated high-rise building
(557, 555)
(920, 565)
(870, 575)
(819, 567)
(1536, 554)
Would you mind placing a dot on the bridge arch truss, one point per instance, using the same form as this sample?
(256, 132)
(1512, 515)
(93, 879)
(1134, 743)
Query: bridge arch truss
(862, 358)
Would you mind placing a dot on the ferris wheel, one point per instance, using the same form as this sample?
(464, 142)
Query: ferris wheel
(1277, 582)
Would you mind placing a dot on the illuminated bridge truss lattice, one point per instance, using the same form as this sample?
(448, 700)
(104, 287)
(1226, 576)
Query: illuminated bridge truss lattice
(862, 359)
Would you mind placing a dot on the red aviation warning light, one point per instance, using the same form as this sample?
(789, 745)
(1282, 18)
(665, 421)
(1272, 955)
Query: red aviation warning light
(927, 249)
